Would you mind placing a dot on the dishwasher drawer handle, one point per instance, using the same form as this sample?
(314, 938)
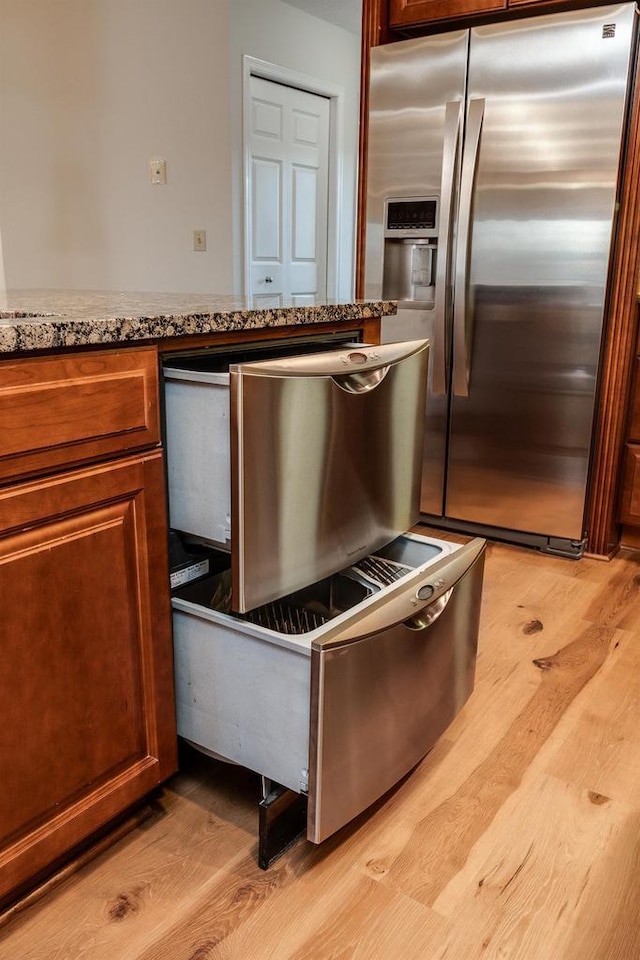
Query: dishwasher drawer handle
(362, 381)
(429, 614)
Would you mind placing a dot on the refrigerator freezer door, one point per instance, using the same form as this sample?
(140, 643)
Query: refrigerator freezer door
(545, 190)
(383, 692)
(417, 88)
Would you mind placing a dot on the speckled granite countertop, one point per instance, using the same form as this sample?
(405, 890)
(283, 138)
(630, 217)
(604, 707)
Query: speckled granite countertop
(51, 319)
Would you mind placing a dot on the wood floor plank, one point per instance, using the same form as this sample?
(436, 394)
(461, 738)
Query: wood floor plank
(442, 840)
(518, 894)
(619, 604)
(127, 897)
(373, 923)
(307, 905)
(601, 751)
(607, 927)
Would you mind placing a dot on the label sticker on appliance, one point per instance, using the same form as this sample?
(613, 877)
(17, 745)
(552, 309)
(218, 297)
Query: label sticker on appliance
(179, 577)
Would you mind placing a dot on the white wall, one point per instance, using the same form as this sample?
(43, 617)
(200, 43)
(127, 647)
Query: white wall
(91, 90)
(287, 37)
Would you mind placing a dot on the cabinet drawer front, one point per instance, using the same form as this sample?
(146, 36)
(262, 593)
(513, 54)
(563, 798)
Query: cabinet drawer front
(66, 410)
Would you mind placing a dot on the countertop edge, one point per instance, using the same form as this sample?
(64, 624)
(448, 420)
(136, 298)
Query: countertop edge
(22, 332)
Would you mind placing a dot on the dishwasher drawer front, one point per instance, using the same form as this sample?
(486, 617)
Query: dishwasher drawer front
(326, 457)
(378, 704)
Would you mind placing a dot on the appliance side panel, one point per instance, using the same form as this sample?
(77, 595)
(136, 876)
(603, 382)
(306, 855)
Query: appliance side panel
(197, 441)
(410, 84)
(379, 704)
(243, 699)
(555, 91)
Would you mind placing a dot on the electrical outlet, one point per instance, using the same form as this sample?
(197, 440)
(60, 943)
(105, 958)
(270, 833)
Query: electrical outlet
(158, 171)
(199, 240)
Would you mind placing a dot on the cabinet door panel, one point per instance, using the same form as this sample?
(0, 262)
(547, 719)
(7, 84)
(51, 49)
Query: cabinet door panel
(630, 499)
(86, 677)
(634, 416)
(404, 13)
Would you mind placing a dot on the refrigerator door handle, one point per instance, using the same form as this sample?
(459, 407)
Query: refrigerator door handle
(462, 328)
(452, 122)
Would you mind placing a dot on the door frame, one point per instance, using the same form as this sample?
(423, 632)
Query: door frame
(252, 67)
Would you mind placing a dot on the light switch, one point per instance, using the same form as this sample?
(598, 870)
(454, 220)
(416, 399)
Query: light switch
(199, 240)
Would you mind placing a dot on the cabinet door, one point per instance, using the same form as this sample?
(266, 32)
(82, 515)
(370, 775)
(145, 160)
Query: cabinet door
(634, 411)
(630, 499)
(404, 13)
(86, 677)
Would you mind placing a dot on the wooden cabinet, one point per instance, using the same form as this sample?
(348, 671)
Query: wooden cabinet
(411, 13)
(634, 408)
(408, 16)
(86, 677)
(630, 492)
(630, 500)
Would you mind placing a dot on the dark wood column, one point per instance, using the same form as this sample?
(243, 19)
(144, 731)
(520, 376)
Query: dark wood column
(618, 353)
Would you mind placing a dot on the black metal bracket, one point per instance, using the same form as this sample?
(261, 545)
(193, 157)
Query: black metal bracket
(282, 821)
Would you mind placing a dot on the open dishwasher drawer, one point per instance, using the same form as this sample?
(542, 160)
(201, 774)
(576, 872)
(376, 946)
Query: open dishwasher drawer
(339, 689)
(330, 648)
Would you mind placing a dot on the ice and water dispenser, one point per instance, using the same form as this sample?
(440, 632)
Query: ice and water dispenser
(410, 249)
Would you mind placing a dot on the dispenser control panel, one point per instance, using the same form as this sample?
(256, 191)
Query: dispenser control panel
(411, 217)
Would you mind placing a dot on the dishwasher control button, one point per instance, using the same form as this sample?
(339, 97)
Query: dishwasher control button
(358, 357)
(425, 591)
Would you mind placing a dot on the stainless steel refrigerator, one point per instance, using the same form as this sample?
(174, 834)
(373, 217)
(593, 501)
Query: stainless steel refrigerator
(492, 178)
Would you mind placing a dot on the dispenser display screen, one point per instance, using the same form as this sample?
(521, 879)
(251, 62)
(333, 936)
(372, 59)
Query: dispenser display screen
(415, 215)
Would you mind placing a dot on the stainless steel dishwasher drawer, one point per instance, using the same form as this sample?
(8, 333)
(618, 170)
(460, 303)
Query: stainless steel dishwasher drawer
(342, 710)
(319, 456)
(379, 702)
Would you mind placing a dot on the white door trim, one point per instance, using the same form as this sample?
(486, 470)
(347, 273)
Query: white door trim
(292, 78)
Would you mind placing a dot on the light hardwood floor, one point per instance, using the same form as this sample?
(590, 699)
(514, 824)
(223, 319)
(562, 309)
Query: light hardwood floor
(517, 837)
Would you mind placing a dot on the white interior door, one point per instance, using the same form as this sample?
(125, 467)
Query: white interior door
(287, 195)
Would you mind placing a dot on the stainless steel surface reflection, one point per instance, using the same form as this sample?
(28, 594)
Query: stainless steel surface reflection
(412, 84)
(545, 192)
(326, 459)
